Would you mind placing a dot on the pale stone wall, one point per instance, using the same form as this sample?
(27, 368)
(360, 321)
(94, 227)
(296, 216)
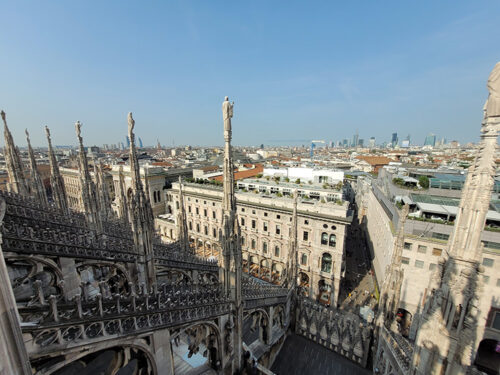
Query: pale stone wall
(266, 227)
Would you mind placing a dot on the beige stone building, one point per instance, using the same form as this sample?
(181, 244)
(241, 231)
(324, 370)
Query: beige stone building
(266, 222)
(73, 185)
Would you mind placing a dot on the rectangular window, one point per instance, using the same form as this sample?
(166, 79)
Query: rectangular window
(265, 213)
(422, 249)
(189, 209)
(205, 212)
(432, 266)
(405, 260)
(496, 321)
(440, 236)
(213, 214)
(264, 247)
(253, 224)
(197, 211)
(242, 209)
(206, 230)
(303, 259)
(278, 216)
(198, 228)
(214, 232)
(486, 279)
(276, 251)
(306, 222)
(252, 244)
(278, 229)
(419, 264)
(487, 262)
(253, 212)
(305, 237)
(264, 227)
(242, 221)
(190, 226)
(407, 246)
(437, 252)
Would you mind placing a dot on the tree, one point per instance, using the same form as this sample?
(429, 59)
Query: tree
(423, 181)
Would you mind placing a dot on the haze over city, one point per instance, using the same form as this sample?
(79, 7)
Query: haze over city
(296, 72)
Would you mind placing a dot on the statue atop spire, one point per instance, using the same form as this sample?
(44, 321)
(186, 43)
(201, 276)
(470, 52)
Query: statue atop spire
(56, 181)
(450, 314)
(182, 231)
(140, 211)
(37, 187)
(17, 181)
(88, 189)
(231, 238)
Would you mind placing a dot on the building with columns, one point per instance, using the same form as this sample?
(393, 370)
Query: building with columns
(266, 227)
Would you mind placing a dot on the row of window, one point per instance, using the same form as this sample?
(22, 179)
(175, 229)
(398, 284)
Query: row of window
(423, 249)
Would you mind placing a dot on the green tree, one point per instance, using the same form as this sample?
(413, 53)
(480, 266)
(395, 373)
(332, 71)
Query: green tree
(423, 181)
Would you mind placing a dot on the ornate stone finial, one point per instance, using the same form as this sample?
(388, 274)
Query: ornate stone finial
(78, 127)
(2, 113)
(493, 85)
(131, 123)
(47, 131)
(27, 134)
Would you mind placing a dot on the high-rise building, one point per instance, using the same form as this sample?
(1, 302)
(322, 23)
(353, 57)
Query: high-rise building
(345, 143)
(127, 139)
(355, 139)
(394, 139)
(140, 142)
(371, 142)
(430, 140)
(361, 142)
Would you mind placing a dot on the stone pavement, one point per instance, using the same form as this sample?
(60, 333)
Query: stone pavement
(303, 357)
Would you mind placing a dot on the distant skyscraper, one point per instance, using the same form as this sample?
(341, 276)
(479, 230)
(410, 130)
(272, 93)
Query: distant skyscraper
(140, 142)
(430, 140)
(345, 143)
(127, 139)
(394, 139)
(355, 139)
(361, 142)
(371, 143)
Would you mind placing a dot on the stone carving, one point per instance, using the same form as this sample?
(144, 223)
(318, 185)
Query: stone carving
(493, 85)
(227, 113)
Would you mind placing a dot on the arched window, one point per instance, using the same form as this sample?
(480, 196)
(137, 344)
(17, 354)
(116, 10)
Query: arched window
(253, 244)
(276, 251)
(190, 226)
(177, 204)
(324, 238)
(333, 240)
(326, 263)
(264, 247)
(303, 259)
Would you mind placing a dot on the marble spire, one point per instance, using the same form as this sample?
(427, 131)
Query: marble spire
(88, 189)
(17, 182)
(450, 315)
(122, 199)
(291, 277)
(56, 181)
(231, 238)
(182, 231)
(105, 211)
(37, 186)
(141, 213)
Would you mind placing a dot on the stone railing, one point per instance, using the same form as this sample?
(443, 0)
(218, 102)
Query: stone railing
(173, 255)
(401, 350)
(337, 330)
(59, 324)
(258, 293)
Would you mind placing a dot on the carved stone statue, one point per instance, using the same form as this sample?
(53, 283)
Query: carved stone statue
(131, 124)
(227, 113)
(493, 85)
(78, 126)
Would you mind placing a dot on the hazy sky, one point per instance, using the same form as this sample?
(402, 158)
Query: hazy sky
(297, 70)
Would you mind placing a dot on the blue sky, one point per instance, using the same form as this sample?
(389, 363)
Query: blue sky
(297, 70)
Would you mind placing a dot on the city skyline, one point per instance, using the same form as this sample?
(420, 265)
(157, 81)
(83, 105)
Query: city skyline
(291, 70)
